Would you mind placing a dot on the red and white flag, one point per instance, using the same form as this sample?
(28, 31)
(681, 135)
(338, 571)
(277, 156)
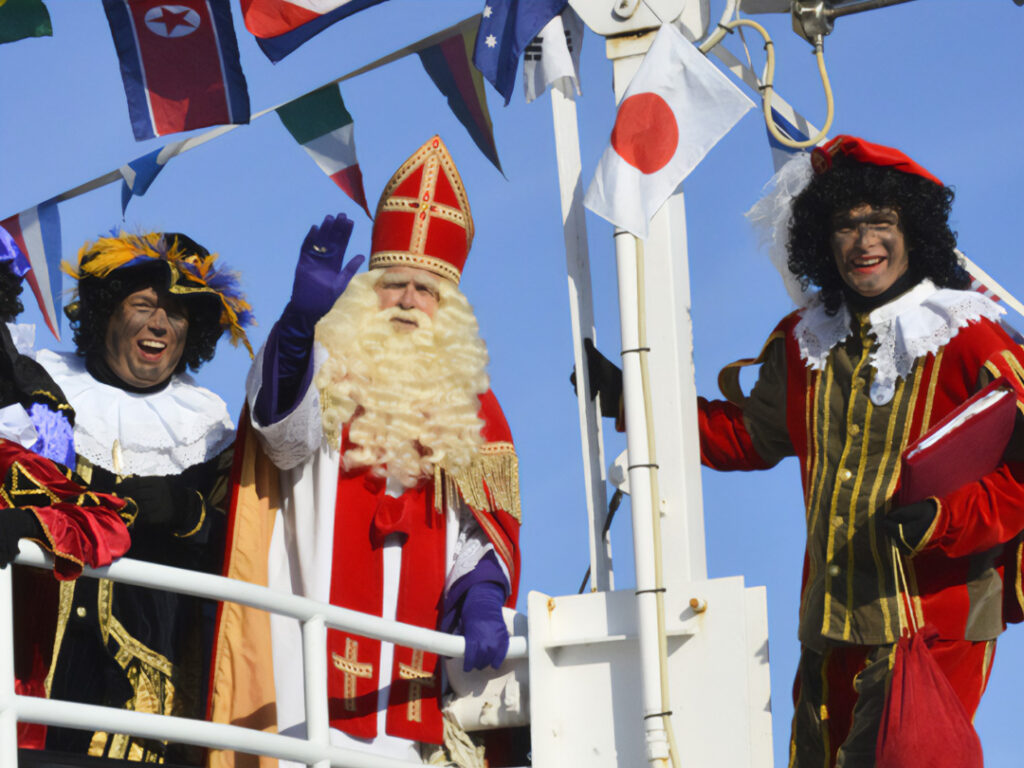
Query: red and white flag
(37, 234)
(677, 107)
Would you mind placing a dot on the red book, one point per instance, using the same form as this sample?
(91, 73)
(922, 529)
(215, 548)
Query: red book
(963, 447)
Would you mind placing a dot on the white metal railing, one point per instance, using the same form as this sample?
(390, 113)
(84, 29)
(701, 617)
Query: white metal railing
(314, 750)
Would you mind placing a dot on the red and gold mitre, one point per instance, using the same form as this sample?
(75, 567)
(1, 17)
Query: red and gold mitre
(423, 217)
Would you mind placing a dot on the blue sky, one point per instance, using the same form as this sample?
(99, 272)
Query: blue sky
(934, 78)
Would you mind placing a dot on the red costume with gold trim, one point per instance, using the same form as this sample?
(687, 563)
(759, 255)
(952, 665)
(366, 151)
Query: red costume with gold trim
(965, 577)
(871, 362)
(979, 516)
(81, 528)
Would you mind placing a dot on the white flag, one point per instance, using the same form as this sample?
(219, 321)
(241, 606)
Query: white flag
(554, 54)
(677, 107)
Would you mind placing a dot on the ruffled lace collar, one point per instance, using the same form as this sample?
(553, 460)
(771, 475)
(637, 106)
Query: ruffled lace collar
(918, 323)
(161, 433)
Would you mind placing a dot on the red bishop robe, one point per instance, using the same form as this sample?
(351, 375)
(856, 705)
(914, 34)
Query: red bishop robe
(242, 685)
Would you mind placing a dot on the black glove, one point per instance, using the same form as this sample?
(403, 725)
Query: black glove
(605, 379)
(908, 525)
(17, 524)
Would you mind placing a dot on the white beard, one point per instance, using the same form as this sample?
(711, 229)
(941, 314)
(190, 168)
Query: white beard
(410, 397)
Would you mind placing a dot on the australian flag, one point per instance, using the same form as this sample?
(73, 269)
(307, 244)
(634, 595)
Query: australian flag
(506, 28)
(179, 63)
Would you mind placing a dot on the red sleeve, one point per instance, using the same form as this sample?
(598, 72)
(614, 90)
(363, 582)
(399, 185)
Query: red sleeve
(81, 527)
(989, 511)
(982, 514)
(725, 443)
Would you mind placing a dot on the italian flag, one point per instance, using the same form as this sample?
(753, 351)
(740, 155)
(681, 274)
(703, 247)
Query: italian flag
(324, 128)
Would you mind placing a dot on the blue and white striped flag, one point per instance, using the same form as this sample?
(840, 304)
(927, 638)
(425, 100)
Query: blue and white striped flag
(140, 172)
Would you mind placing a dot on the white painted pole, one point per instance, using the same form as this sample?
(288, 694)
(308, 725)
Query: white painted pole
(314, 667)
(641, 502)
(581, 311)
(8, 712)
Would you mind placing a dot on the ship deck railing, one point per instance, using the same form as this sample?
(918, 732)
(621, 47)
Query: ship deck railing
(315, 750)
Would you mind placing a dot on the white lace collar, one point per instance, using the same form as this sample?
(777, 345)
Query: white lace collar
(162, 433)
(919, 322)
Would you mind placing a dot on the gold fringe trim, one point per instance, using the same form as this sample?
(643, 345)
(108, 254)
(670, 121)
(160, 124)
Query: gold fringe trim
(490, 483)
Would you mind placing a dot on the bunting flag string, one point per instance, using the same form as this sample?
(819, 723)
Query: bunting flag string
(121, 175)
(445, 56)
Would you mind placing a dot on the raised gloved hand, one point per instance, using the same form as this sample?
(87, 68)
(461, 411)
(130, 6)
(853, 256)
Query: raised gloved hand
(908, 525)
(605, 379)
(321, 275)
(16, 524)
(483, 626)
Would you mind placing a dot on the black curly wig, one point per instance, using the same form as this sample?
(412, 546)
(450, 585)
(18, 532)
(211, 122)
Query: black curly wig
(10, 291)
(99, 299)
(923, 208)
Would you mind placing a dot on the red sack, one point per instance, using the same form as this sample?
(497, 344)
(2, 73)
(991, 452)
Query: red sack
(924, 725)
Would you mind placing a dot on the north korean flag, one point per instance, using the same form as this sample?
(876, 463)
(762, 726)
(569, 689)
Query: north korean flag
(179, 63)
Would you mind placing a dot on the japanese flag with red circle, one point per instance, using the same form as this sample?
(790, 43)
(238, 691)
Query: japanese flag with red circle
(676, 108)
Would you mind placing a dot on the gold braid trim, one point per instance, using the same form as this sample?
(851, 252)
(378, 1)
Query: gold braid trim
(489, 483)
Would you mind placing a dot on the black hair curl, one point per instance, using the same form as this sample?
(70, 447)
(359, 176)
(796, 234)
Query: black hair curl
(923, 207)
(10, 290)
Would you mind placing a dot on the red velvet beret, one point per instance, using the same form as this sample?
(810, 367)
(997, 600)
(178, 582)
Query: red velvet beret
(866, 152)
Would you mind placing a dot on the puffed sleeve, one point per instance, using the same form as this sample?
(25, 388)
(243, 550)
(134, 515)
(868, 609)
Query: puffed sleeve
(751, 435)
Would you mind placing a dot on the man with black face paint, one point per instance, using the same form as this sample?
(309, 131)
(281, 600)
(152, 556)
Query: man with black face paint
(891, 341)
(147, 307)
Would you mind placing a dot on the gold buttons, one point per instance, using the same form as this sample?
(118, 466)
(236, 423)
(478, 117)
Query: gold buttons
(833, 570)
(845, 475)
(837, 522)
(855, 429)
(80, 612)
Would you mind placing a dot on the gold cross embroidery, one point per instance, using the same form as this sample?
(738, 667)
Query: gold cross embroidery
(419, 679)
(351, 668)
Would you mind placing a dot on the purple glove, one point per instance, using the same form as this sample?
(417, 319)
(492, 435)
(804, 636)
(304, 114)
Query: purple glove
(473, 603)
(483, 626)
(321, 276)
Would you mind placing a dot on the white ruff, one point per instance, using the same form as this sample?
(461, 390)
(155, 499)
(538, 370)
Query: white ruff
(162, 433)
(918, 323)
